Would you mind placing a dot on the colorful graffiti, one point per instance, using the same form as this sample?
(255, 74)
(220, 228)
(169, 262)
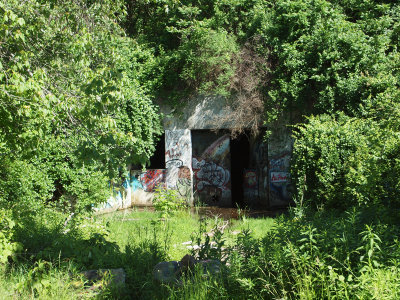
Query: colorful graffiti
(279, 177)
(209, 174)
(120, 194)
(133, 188)
(150, 179)
(250, 187)
(135, 184)
(279, 164)
(184, 173)
(218, 150)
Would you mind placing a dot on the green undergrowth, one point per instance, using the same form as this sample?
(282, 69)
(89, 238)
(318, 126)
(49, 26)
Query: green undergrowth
(312, 255)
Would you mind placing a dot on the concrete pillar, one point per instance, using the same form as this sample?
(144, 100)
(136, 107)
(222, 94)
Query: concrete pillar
(178, 160)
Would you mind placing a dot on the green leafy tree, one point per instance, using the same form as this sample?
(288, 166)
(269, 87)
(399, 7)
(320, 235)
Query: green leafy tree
(72, 108)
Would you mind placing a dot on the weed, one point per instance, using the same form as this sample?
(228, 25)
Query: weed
(167, 201)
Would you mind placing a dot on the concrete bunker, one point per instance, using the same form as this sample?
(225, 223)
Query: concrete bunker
(205, 165)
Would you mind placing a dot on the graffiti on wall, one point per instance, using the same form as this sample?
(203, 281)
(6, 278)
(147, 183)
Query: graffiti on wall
(280, 164)
(218, 150)
(184, 183)
(150, 179)
(120, 193)
(279, 177)
(250, 179)
(174, 163)
(133, 184)
(178, 153)
(177, 144)
(280, 180)
(250, 186)
(209, 174)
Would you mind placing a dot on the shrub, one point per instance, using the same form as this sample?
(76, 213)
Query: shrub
(340, 162)
(167, 200)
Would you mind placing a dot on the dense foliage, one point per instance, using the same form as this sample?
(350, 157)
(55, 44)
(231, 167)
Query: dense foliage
(343, 162)
(339, 58)
(322, 56)
(72, 109)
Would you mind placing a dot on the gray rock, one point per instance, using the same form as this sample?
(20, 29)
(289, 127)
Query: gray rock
(166, 272)
(112, 276)
(210, 266)
(170, 271)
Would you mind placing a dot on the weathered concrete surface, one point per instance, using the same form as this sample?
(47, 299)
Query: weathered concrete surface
(198, 162)
(280, 147)
(135, 189)
(203, 112)
(178, 160)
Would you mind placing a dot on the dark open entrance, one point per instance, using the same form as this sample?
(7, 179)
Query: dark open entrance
(240, 157)
(157, 161)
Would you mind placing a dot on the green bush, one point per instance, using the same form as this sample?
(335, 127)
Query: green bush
(209, 58)
(24, 186)
(167, 200)
(72, 107)
(340, 162)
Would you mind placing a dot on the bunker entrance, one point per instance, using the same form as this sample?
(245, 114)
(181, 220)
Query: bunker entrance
(219, 165)
(240, 157)
(157, 161)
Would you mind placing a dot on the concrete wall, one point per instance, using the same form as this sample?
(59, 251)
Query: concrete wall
(135, 189)
(200, 113)
(280, 146)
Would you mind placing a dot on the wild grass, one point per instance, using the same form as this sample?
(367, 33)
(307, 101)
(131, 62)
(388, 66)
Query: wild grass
(321, 255)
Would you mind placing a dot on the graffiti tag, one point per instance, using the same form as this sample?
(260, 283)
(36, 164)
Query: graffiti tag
(279, 176)
(209, 174)
(177, 163)
(150, 179)
(250, 179)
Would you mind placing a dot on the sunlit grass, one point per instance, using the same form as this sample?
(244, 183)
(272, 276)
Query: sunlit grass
(267, 258)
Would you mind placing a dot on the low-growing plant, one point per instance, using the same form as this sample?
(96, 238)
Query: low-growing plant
(8, 247)
(37, 279)
(167, 201)
(211, 244)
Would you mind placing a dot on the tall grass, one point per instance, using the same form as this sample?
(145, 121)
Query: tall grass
(320, 255)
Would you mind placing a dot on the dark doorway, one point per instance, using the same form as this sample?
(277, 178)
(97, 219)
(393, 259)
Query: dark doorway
(240, 156)
(157, 161)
